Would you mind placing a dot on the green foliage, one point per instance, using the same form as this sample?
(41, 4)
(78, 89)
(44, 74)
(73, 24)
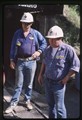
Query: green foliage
(73, 15)
(75, 8)
(71, 32)
(71, 25)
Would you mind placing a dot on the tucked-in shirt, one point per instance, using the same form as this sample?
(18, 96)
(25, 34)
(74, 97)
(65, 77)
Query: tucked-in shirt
(65, 59)
(26, 46)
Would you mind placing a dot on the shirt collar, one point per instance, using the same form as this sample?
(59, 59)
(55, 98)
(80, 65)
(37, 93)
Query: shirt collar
(29, 31)
(62, 46)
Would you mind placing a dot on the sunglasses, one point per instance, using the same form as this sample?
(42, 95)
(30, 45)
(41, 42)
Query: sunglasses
(26, 23)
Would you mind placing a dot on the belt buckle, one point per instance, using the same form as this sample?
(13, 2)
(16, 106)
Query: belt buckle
(27, 59)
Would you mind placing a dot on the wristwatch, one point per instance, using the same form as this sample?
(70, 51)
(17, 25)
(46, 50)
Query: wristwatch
(39, 51)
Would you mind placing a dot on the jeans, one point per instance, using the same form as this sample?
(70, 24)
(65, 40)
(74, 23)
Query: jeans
(25, 71)
(55, 93)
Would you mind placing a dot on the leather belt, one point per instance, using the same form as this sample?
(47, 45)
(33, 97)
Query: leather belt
(26, 59)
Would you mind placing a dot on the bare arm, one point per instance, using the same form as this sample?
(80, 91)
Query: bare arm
(41, 73)
(66, 79)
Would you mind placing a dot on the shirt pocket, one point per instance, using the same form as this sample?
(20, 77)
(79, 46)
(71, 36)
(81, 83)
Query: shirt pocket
(19, 42)
(60, 63)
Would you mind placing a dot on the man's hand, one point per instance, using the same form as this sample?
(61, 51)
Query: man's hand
(12, 65)
(40, 79)
(36, 54)
(65, 80)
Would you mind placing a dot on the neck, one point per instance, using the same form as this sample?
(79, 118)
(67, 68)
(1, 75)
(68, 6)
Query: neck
(26, 32)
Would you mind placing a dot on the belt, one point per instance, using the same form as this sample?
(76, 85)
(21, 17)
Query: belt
(26, 59)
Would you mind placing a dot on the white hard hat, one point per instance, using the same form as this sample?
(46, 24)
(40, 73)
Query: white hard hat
(55, 32)
(27, 17)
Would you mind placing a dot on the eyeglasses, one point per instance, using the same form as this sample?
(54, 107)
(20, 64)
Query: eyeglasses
(26, 23)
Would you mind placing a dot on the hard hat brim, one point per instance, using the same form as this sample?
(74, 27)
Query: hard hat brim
(25, 21)
(53, 37)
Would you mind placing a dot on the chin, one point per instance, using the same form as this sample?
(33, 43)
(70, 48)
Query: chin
(56, 46)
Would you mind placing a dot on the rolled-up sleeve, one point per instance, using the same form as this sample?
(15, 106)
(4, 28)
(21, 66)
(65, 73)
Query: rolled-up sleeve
(74, 60)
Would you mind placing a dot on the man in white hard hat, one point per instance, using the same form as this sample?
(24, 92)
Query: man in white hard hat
(59, 63)
(26, 48)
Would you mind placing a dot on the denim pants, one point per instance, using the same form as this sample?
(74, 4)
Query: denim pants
(25, 71)
(55, 93)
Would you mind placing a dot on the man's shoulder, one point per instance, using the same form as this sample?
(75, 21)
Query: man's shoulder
(67, 46)
(18, 31)
(48, 48)
(35, 31)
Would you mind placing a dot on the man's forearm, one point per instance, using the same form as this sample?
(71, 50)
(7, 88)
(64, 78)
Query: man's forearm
(42, 69)
(70, 73)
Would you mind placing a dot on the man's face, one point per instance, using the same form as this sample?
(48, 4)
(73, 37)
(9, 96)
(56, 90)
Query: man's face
(26, 26)
(55, 42)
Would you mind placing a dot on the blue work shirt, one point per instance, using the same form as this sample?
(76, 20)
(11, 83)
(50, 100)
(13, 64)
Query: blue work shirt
(26, 46)
(65, 59)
